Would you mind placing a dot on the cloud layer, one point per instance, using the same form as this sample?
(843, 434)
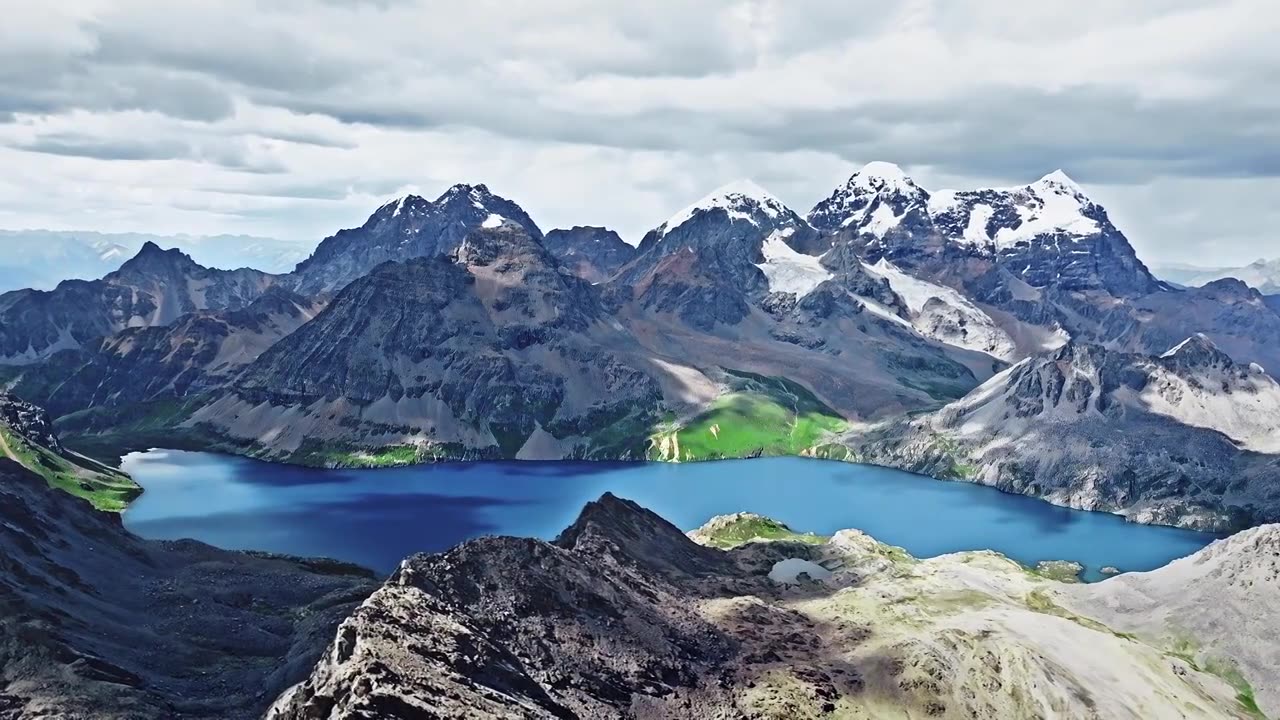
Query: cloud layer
(296, 117)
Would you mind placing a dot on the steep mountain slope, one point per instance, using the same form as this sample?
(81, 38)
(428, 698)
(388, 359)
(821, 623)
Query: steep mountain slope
(592, 253)
(625, 617)
(492, 352)
(27, 438)
(405, 228)
(1188, 438)
(96, 624)
(195, 353)
(1206, 608)
(154, 288)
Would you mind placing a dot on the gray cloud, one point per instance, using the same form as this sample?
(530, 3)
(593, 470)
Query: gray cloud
(298, 112)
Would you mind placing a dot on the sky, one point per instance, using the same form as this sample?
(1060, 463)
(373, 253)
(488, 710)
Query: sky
(294, 118)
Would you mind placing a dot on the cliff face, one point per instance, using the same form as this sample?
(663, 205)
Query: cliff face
(623, 616)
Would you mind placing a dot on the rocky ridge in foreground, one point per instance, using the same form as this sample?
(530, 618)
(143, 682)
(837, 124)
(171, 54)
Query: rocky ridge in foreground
(97, 624)
(623, 616)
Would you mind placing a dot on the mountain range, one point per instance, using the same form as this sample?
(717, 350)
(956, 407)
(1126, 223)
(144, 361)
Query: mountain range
(40, 259)
(873, 327)
(1262, 274)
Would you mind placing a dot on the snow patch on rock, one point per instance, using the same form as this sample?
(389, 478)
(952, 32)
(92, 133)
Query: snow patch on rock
(950, 317)
(789, 271)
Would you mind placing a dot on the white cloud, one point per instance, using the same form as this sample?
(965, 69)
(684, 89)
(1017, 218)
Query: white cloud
(296, 117)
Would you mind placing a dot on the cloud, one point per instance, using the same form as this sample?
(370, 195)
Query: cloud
(290, 116)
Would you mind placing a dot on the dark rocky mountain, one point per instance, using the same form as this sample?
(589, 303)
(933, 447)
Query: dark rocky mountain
(623, 616)
(153, 288)
(196, 353)
(493, 351)
(96, 624)
(405, 228)
(592, 253)
(1189, 437)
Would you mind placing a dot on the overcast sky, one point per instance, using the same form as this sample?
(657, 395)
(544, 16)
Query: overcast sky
(293, 118)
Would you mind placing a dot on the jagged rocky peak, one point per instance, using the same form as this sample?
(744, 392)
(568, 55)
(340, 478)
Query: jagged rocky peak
(592, 253)
(405, 228)
(1004, 217)
(622, 529)
(875, 199)
(739, 200)
(1197, 350)
(152, 259)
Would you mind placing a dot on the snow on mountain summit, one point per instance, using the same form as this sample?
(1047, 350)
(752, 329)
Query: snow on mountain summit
(740, 199)
(874, 200)
(1003, 217)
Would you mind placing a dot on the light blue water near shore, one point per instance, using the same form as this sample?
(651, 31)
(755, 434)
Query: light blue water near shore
(377, 517)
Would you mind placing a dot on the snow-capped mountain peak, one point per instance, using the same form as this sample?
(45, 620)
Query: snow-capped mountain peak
(879, 176)
(1058, 182)
(873, 200)
(741, 199)
(405, 204)
(1004, 217)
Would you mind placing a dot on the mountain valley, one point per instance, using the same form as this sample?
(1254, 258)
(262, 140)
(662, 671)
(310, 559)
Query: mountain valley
(868, 329)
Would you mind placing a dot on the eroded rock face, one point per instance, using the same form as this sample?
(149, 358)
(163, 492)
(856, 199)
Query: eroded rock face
(96, 624)
(623, 616)
(29, 421)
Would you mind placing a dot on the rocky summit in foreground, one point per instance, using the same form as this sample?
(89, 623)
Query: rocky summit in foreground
(623, 616)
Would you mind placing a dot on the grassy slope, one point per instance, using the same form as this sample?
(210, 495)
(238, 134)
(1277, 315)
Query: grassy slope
(746, 527)
(105, 487)
(762, 416)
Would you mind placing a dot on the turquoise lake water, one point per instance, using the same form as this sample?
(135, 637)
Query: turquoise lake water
(377, 517)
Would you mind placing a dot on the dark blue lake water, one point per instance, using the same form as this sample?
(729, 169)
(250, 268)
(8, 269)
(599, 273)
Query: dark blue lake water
(377, 517)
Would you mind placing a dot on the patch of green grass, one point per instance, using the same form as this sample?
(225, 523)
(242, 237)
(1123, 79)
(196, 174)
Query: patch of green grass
(1228, 671)
(1039, 601)
(1063, 571)
(765, 416)
(949, 450)
(105, 487)
(747, 528)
